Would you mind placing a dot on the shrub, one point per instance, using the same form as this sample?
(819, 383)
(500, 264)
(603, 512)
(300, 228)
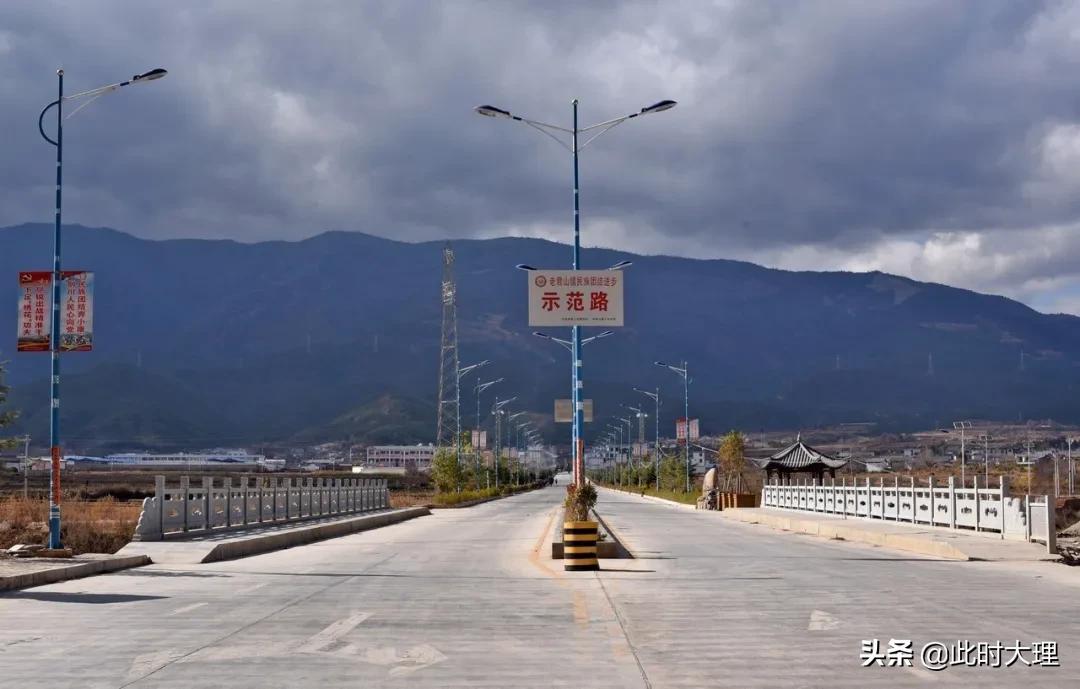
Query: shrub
(579, 501)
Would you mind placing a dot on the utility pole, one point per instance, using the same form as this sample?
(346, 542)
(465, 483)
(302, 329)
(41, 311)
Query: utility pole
(1072, 469)
(448, 423)
(986, 459)
(962, 426)
(26, 468)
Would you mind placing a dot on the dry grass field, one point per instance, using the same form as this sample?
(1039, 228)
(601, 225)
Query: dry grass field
(98, 526)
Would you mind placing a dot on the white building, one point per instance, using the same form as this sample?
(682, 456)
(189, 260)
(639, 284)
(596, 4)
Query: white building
(399, 457)
(218, 458)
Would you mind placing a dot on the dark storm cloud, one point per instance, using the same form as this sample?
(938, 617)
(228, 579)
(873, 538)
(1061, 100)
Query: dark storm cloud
(846, 134)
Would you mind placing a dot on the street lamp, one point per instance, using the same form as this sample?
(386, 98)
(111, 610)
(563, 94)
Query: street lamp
(569, 344)
(555, 132)
(480, 387)
(461, 372)
(54, 336)
(497, 411)
(962, 426)
(684, 372)
(656, 458)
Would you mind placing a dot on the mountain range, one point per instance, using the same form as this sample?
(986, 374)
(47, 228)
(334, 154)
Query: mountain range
(201, 342)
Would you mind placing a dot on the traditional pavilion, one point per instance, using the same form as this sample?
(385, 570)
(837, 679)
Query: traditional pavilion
(800, 458)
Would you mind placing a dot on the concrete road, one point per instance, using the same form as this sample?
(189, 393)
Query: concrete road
(466, 598)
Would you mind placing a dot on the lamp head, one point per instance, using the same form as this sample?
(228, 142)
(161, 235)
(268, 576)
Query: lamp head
(524, 266)
(658, 107)
(492, 111)
(152, 75)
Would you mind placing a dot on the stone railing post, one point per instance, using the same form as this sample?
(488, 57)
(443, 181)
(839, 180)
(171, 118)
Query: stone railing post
(914, 503)
(978, 508)
(881, 495)
(185, 489)
(952, 502)
(930, 483)
(244, 496)
(227, 485)
(843, 492)
(896, 497)
(1004, 492)
(159, 493)
(208, 502)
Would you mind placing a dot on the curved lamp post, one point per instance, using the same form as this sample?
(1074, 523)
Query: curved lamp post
(54, 336)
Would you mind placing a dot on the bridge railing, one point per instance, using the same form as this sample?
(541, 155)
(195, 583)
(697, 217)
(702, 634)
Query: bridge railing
(977, 508)
(216, 506)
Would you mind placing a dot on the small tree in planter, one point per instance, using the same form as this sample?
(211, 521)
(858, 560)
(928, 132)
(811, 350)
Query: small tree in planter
(579, 502)
(580, 533)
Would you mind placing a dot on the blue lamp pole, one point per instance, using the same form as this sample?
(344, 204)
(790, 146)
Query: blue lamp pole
(54, 335)
(576, 382)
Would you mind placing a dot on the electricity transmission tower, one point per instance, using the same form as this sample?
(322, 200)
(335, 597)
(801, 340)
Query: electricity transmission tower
(449, 401)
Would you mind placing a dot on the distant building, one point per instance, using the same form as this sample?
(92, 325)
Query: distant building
(218, 458)
(399, 457)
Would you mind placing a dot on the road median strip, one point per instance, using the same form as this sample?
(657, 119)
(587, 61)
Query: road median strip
(237, 545)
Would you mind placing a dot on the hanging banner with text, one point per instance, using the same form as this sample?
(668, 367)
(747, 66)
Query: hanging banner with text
(576, 297)
(76, 311)
(35, 323)
(479, 440)
(564, 411)
(680, 430)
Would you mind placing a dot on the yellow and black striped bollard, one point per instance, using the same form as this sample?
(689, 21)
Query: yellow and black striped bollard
(579, 546)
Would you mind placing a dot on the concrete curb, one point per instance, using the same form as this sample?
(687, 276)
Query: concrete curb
(621, 549)
(613, 549)
(202, 551)
(912, 543)
(82, 569)
(652, 498)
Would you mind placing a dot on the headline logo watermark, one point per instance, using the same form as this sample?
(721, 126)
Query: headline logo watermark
(937, 656)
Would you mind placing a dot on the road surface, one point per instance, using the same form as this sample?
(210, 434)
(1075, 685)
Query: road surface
(466, 598)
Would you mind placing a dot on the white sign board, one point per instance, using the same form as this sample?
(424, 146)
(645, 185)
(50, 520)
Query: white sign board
(576, 297)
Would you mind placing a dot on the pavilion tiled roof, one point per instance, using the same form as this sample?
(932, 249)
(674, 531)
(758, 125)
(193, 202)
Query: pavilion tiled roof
(800, 457)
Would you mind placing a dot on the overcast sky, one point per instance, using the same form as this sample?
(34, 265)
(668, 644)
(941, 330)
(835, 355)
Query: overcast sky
(938, 140)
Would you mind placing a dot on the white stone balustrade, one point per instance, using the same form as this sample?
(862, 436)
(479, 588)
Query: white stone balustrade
(978, 508)
(221, 505)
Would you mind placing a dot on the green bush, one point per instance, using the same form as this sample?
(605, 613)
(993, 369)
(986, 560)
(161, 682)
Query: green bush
(447, 474)
(451, 498)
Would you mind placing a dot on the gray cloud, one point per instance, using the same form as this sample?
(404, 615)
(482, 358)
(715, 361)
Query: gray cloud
(809, 134)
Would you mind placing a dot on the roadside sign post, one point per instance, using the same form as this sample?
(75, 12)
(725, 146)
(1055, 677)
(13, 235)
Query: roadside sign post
(56, 314)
